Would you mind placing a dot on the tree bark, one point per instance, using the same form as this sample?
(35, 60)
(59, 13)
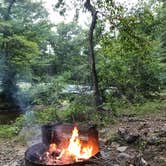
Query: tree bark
(90, 8)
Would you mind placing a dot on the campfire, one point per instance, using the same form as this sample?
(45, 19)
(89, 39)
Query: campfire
(63, 144)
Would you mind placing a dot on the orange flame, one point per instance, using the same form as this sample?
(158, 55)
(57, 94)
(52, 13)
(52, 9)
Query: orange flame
(52, 148)
(76, 149)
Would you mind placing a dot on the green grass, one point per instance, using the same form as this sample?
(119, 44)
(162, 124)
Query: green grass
(153, 108)
(7, 131)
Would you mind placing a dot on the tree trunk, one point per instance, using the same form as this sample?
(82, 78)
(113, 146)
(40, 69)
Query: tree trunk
(98, 100)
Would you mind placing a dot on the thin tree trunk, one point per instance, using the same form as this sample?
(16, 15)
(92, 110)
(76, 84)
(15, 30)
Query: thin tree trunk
(98, 100)
(7, 15)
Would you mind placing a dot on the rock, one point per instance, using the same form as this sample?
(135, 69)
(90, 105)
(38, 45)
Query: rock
(140, 161)
(143, 125)
(162, 133)
(132, 137)
(103, 155)
(135, 119)
(124, 159)
(162, 159)
(152, 140)
(143, 162)
(128, 136)
(122, 131)
(123, 156)
(121, 148)
(115, 145)
(145, 131)
(15, 164)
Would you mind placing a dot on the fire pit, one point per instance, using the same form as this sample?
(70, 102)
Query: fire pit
(63, 144)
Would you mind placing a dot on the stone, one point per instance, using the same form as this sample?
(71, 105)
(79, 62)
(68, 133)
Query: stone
(162, 159)
(122, 148)
(140, 161)
(15, 164)
(143, 126)
(129, 137)
(115, 144)
(123, 156)
(103, 155)
(122, 131)
(152, 140)
(144, 162)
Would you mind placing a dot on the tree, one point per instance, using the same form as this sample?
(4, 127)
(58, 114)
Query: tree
(93, 11)
(68, 45)
(161, 20)
(20, 40)
(127, 61)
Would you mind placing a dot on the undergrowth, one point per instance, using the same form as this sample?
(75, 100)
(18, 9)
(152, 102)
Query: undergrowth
(76, 112)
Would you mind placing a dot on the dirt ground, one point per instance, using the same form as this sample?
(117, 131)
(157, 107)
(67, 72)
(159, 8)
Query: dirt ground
(132, 141)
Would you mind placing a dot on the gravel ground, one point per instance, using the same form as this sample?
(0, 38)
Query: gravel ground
(11, 153)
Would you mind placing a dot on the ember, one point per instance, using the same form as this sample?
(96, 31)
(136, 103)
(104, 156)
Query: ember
(63, 145)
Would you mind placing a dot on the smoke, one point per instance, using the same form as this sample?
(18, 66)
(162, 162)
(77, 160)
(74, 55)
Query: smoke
(31, 135)
(1, 70)
(22, 96)
(15, 90)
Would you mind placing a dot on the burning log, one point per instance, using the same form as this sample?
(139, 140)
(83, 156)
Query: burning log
(63, 144)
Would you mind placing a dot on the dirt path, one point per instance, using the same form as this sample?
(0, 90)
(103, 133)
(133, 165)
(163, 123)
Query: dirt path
(132, 141)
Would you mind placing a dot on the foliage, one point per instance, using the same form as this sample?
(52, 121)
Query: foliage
(69, 51)
(21, 51)
(21, 40)
(49, 92)
(161, 19)
(76, 112)
(126, 51)
(127, 62)
(46, 116)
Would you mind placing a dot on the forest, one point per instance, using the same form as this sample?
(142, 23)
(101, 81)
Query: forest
(99, 63)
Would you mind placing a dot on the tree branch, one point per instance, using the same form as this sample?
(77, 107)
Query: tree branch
(7, 15)
(89, 7)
